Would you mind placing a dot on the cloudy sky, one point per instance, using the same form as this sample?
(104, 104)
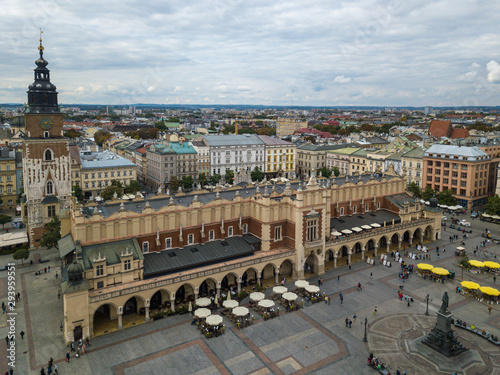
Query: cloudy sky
(353, 52)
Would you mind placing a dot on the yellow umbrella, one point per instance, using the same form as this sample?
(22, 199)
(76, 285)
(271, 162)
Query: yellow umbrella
(489, 291)
(490, 264)
(425, 266)
(470, 285)
(476, 263)
(440, 271)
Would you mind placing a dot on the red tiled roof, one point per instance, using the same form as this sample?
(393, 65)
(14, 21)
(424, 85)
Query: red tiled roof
(313, 131)
(440, 128)
(459, 133)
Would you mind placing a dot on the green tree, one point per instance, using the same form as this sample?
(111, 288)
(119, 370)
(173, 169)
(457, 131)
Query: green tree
(160, 125)
(187, 182)
(446, 197)
(215, 178)
(133, 187)
(229, 176)
(202, 179)
(428, 193)
(174, 184)
(73, 134)
(51, 234)
(257, 174)
(4, 219)
(414, 189)
(115, 187)
(229, 129)
(22, 254)
(325, 172)
(493, 205)
(336, 171)
(79, 193)
(101, 136)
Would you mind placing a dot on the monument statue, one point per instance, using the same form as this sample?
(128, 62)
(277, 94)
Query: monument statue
(444, 306)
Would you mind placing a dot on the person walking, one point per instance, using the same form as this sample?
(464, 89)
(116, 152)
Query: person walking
(42, 371)
(338, 278)
(67, 357)
(489, 309)
(375, 311)
(350, 323)
(347, 322)
(494, 279)
(341, 298)
(22, 335)
(56, 370)
(354, 318)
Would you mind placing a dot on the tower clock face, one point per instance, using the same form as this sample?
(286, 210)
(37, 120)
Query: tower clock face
(46, 123)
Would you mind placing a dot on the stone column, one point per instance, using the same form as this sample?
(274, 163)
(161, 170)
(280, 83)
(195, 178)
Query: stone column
(411, 241)
(218, 291)
(146, 309)
(172, 302)
(422, 238)
(196, 294)
(399, 244)
(335, 260)
(363, 252)
(277, 278)
(375, 251)
(120, 322)
(388, 247)
(239, 285)
(349, 255)
(259, 277)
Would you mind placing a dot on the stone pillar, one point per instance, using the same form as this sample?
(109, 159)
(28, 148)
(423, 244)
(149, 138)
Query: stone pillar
(146, 309)
(335, 260)
(259, 277)
(239, 285)
(321, 268)
(218, 291)
(363, 249)
(411, 241)
(349, 256)
(422, 238)
(399, 244)
(375, 251)
(196, 294)
(277, 278)
(120, 322)
(388, 247)
(172, 302)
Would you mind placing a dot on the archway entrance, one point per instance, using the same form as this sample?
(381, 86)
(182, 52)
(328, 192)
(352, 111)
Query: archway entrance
(383, 244)
(229, 281)
(249, 278)
(329, 260)
(185, 293)
(370, 248)
(286, 270)
(268, 276)
(160, 300)
(105, 320)
(417, 237)
(311, 265)
(429, 233)
(133, 312)
(395, 242)
(207, 288)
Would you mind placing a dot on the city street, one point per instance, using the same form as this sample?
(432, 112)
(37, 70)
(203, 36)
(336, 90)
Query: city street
(314, 339)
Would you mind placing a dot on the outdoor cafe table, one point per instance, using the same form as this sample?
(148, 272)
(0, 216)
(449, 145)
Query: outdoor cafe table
(230, 303)
(279, 289)
(202, 313)
(203, 302)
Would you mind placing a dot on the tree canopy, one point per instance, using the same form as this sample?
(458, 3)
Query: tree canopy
(336, 171)
(202, 179)
(22, 254)
(133, 187)
(446, 197)
(493, 205)
(428, 193)
(215, 178)
(4, 219)
(415, 190)
(174, 184)
(51, 234)
(325, 172)
(257, 175)
(229, 176)
(187, 182)
(79, 193)
(101, 136)
(115, 187)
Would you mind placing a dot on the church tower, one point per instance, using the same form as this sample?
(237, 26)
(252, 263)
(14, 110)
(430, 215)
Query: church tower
(46, 160)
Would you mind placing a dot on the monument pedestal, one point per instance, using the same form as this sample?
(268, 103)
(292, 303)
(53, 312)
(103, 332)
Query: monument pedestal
(442, 338)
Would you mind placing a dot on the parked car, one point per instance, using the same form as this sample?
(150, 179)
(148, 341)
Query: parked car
(464, 223)
(474, 214)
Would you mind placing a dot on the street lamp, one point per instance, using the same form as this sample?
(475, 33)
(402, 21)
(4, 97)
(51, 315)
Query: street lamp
(364, 338)
(427, 302)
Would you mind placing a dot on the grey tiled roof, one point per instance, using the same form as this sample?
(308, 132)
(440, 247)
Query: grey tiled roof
(175, 260)
(110, 250)
(233, 139)
(357, 220)
(185, 200)
(472, 153)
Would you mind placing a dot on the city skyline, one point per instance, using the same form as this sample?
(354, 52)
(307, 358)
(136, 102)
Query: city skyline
(361, 53)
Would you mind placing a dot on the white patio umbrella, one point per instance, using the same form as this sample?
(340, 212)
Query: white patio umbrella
(257, 296)
(289, 296)
(214, 320)
(336, 233)
(375, 225)
(279, 289)
(241, 311)
(301, 283)
(357, 229)
(203, 302)
(202, 313)
(230, 304)
(266, 303)
(366, 226)
(312, 289)
(347, 231)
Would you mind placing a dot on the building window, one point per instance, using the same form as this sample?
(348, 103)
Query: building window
(277, 233)
(190, 239)
(312, 230)
(99, 270)
(50, 188)
(9, 189)
(230, 231)
(341, 211)
(127, 265)
(211, 235)
(367, 207)
(168, 243)
(354, 208)
(100, 284)
(378, 205)
(145, 247)
(48, 155)
(245, 228)
(51, 211)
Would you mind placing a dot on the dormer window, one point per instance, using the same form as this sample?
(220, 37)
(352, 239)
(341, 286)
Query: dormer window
(99, 270)
(127, 265)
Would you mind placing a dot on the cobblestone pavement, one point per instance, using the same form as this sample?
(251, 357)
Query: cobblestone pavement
(313, 340)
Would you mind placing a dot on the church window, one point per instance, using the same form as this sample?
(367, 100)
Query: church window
(51, 211)
(48, 155)
(46, 134)
(50, 188)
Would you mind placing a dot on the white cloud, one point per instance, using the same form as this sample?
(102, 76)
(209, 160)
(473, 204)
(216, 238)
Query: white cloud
(493, 71)
(467, 77)
(342, 79)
